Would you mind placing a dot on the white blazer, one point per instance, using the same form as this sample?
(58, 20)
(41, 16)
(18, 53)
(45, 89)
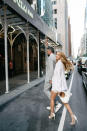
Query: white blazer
(58, 80)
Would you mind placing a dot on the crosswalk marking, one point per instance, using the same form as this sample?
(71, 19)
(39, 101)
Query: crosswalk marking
(62, 120)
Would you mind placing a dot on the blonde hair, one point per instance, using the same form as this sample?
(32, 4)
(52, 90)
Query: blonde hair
(67, 64)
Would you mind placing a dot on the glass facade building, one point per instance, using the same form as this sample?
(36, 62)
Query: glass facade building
(44, 9)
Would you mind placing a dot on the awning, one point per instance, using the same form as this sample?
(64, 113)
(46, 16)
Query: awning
(23, 8)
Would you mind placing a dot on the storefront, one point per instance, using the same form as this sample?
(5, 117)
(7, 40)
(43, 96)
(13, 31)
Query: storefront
(22, 44)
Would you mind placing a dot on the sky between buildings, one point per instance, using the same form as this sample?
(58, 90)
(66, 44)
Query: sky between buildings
(76, 13)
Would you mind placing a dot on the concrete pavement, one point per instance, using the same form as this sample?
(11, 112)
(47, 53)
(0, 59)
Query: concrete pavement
(6, 98)
(78, 104)
(28, 111)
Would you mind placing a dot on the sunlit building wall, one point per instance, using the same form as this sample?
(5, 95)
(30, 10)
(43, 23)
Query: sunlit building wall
(85, 28)
(82, 46)
(60, 20)
(69, 37)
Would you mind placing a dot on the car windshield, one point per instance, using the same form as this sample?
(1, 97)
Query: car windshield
(84, 59)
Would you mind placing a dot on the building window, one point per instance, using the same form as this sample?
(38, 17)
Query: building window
(54, 2)
(55, 11)
(55, 22)
(30, 1)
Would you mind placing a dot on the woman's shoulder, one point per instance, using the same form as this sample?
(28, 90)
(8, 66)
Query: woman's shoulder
(59, 62)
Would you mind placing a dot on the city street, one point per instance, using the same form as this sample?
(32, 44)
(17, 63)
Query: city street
(28, 111)
(43, 42)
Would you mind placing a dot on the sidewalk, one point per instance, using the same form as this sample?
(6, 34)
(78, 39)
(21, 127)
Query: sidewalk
(6, 98)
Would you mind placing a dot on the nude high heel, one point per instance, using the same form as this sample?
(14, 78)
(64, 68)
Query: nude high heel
(74, 121)
(52, 116)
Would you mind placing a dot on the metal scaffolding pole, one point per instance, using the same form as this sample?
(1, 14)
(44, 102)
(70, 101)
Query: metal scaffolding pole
(38, 55)
(28, 71)
(46, 45)
(46, 56)
(6, 50)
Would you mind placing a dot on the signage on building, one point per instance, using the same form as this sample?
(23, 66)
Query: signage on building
(23, 7)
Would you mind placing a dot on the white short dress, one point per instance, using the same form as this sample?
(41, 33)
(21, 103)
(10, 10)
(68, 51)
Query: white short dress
(58, 80)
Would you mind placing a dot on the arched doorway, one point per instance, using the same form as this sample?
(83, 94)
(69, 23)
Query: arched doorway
(2, 66)
(20, 54)
(33, 58)
(2, 61)
(18, 58)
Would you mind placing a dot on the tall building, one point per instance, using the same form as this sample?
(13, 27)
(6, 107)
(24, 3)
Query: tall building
(85, 28)
(81, 50)
(44, 9)
(33, 4)
(66, 29)
(69, 37)
(83, 45)
(60, 22)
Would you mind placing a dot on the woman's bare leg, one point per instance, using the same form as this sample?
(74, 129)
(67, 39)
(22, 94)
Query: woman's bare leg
(68, 108)
(53, 96)
(70, 112)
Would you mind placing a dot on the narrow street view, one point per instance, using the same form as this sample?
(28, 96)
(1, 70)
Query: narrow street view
(43, 65)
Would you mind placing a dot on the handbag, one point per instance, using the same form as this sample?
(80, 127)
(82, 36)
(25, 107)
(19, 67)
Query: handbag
(65, 96)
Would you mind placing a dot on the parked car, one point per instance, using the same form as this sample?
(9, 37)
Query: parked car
(79, 66)
(84, 75)
(84, 59)
(74, 62)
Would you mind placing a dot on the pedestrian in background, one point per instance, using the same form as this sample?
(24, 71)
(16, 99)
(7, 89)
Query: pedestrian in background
(50, 65)
(59, 85)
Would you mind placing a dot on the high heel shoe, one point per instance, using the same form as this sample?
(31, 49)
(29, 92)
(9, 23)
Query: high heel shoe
(52, 116)
(74, 121)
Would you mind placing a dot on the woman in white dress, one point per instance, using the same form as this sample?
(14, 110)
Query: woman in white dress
(59, 86)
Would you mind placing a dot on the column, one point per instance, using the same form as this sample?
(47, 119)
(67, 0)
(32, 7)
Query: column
(6, 50)
(46, 45)
(38, 42)
(28, 69)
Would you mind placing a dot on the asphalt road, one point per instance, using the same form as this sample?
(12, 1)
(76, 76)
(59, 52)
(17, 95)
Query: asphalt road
(78, 104)
(28, 111)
